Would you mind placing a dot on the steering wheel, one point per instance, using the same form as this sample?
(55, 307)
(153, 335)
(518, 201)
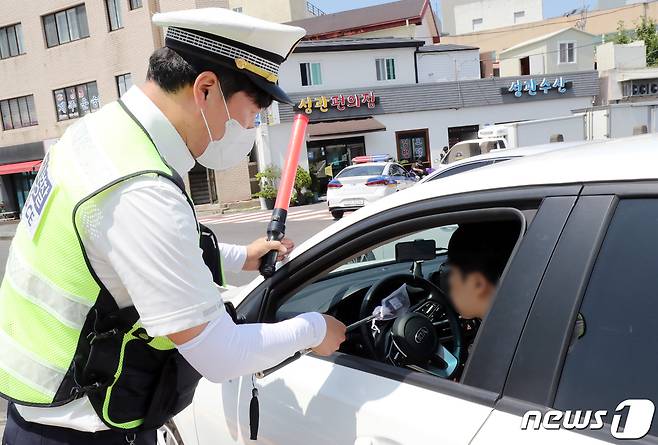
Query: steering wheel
(412, 340)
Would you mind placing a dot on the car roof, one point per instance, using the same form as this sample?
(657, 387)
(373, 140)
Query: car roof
(623, 159)
(505, 153)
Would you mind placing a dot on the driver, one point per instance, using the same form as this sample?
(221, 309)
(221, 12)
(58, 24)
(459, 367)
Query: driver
(477, 255)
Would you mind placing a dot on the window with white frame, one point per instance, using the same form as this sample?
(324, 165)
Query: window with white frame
(567, 52)
(311, 73)
(11, 41)
(385, 69)
(114, 14)
(18, 112)
(518, 16)
(124, 82)
(65, 26)
(477, 24)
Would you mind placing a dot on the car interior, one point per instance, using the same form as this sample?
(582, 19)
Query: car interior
(429, 336)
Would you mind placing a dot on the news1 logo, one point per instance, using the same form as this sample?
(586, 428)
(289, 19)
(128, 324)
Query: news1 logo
(631, 419)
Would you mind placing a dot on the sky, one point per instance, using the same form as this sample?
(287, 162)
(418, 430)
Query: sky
(552, 8)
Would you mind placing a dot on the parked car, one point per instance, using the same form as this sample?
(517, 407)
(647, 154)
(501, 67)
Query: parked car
(494, 157)
(368, 180)
(571, 328)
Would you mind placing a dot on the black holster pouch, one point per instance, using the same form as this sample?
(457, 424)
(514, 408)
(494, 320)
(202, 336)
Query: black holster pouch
(132, 384)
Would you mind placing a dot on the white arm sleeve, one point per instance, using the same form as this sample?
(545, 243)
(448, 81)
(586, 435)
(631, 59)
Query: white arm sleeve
(233, 256)
(225, 350)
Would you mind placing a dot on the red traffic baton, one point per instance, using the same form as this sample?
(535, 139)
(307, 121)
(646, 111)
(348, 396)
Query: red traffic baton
(276, 229)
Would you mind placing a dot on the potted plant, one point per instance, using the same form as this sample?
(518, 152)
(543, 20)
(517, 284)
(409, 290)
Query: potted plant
(267, 181)
(267, 194)
(302, 192)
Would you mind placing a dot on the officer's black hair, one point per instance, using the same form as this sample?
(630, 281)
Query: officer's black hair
(171, 72)
(483, 247)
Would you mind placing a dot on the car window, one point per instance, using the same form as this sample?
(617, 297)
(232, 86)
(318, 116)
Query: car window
(361, 170)
(612, 355)
(461, 169)
(319, 296)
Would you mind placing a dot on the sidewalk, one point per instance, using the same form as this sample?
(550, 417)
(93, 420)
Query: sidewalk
(8, 230)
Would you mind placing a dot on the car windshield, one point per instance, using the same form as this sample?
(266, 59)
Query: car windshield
(361, 170)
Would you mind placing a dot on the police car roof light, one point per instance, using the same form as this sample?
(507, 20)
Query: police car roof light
(371, 158)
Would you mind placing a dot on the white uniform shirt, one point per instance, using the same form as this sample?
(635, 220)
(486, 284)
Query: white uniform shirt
(144, 249)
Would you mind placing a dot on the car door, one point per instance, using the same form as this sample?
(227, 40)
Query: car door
(587, 352)
(345, 399)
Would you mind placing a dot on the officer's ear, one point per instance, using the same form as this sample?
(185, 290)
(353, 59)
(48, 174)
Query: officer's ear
(203, 84)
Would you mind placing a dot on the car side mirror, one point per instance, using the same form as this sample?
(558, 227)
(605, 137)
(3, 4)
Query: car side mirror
(415, 250)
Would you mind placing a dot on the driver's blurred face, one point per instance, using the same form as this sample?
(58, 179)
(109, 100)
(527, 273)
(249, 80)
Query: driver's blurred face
(470, 293)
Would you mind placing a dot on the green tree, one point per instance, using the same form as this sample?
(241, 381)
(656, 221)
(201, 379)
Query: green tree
(621, 38)
(646, 30)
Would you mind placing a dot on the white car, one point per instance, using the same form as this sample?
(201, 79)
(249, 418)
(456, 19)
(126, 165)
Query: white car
(494, 157)
(570, 335)
(365, 182)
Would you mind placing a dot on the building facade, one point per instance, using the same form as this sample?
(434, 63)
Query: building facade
(558, 52)
(63, 59)
(599, 22)
(276, 10)
(467, 16)
(409, 121)
(413, 19)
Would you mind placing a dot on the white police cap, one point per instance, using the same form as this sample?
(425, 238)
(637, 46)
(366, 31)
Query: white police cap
(245, 44)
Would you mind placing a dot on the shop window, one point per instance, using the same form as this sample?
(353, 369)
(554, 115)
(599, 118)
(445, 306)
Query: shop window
(114, 16)
(567, 52)
(66, 26)
(124, 82)
(464, 133)
(76, 101)
(311, 74)
(385, 69)
(327, 158)
(11, 41)
(413, 146)
(18, 112)
(135, 4)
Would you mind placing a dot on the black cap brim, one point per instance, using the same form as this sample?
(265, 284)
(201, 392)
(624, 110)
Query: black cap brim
(270, 88)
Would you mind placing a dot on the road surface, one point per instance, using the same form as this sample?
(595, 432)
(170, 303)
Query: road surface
(237, 228)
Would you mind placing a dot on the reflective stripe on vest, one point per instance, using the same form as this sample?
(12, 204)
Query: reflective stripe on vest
(49, 289)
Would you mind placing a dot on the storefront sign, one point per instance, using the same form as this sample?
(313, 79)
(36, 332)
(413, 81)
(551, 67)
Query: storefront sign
(339, 102)
(640, 87)
(532, 86)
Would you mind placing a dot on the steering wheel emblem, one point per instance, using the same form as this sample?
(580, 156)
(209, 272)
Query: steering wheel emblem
(421, 334)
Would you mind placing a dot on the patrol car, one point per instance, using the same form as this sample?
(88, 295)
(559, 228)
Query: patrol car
(369, 179)
(570, 330)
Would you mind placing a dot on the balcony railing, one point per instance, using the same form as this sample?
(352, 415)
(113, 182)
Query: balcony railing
(310, 7)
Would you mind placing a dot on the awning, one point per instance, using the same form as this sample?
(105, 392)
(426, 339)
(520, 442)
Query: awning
(20, 167)
(352, 126)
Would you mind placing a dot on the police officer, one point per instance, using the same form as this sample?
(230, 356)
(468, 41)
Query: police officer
(108, 314)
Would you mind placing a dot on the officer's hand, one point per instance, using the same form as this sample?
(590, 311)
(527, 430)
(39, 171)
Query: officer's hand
(257, 249)
(333, 338)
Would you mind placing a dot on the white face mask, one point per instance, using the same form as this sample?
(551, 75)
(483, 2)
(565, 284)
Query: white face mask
(232, 148)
